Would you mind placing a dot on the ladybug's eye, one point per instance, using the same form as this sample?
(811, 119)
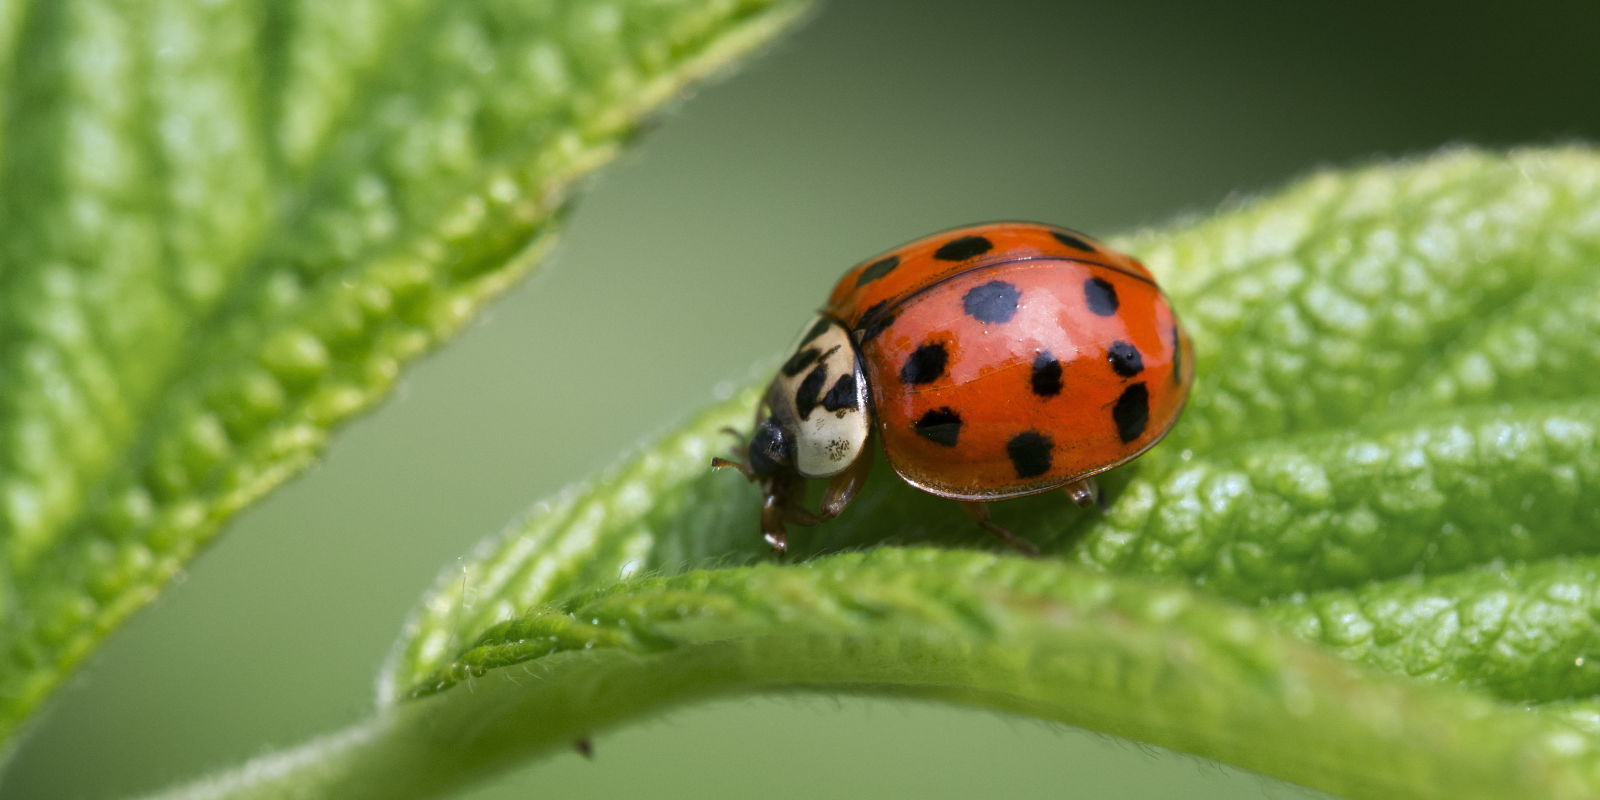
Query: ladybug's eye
(770, 449)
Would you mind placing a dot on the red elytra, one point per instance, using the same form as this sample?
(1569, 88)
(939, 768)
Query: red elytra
(993, 361)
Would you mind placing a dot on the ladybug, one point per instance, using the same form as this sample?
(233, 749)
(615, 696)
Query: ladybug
(993, 361)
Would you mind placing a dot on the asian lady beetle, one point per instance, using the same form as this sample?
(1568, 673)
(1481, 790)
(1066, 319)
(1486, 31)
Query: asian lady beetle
(994, 361)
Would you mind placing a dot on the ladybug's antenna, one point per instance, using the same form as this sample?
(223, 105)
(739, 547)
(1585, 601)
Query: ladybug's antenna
(728, 463)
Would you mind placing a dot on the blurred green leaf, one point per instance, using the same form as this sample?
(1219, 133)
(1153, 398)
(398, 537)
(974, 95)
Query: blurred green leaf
(225, 226)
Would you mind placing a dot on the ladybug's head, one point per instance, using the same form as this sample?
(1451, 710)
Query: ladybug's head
(771, 449)
(814, 420)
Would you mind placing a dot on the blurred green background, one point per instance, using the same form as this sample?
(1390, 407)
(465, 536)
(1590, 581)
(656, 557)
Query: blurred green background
(693, 259)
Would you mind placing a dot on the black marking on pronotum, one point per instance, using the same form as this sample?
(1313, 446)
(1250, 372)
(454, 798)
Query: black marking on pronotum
(876, 270)
(940, 426)
(1071, 240)
(816, 330)
(992, 302)
(962, 249)
(1125, 359)
(1102, 296)
(800, 360)
(806, 397)
(1030, 453)
(1046, 378)
(1132, 412)
(842, 396)
(925, 365)
(873, 321)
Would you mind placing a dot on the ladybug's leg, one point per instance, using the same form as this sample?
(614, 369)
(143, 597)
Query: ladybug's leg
(842, 488)
(1085, 493)
(773, 511)
(979, 512)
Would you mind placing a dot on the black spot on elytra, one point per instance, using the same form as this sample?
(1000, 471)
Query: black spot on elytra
(993, 302)
(800, 360)
(1046, 378)
(962, 249)
(876, 270)
(816, 330)
(1073, 241)
(1102, 296)
(1030, 453)
(940, 426)
(1132, 412)
(843, 394)
(1177, 355)
(925, 365)
(1125, 359)
(873, 322)
(806, 397)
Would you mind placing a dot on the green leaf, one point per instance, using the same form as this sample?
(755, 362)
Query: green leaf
(224, 227)
(1126, 656)
(1525, 633)
(1388, 453)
